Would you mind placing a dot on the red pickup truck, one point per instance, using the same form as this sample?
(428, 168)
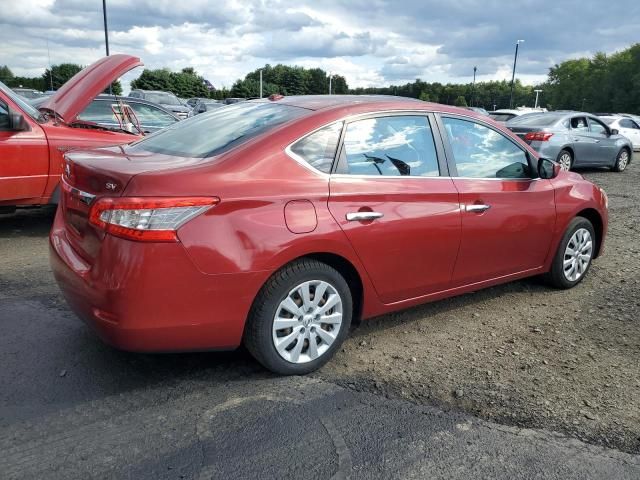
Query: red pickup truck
(33, 141)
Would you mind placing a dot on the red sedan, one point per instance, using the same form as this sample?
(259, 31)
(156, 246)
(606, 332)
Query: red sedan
(280, 222)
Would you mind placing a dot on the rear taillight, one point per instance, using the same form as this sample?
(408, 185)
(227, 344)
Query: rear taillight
(146, 218)
(538, 136)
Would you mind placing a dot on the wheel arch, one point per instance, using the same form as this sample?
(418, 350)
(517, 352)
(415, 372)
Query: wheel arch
(594, 217)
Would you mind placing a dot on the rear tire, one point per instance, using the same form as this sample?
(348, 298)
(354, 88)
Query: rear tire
(565, 159)
(288, 331)
(574, 255)
(622, 160)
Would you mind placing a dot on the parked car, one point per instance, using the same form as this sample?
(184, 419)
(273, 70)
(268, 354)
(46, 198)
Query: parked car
(279, 222)
(627, 126)
(205, 105)
(191, 102)
(574, 139)
(505, 114)
(32, 141)
(28, 93)
(232, 100)
(165, 99)
(106, 110)
(479, 110)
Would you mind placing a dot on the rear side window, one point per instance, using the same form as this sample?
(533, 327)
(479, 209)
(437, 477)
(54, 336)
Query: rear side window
(580, 124)
(218, 131)
(99, 111)
(390, 146)
(481, 152)
(319, 148)
(628, 123)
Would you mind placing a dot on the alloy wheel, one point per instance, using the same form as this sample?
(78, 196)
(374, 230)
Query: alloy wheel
(565, 161)
(623, 160)
(307, 322)
(577, 255)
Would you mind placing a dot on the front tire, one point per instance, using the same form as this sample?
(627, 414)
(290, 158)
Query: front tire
(574, 255)
(622, 160)
(300, 318)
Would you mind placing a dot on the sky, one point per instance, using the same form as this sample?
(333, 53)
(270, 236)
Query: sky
(370, 42)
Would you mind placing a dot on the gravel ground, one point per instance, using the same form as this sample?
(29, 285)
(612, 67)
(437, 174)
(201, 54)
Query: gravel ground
(524, 354)
(519, 354)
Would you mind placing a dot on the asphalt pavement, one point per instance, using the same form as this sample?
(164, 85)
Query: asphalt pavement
(72, 407)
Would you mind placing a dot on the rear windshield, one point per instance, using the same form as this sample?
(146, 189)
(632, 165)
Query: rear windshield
(608, 120)
(536, 120)
(162, 98)
(216, 132)
(501, 117)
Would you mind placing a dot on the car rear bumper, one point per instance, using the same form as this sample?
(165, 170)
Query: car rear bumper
(151, 297)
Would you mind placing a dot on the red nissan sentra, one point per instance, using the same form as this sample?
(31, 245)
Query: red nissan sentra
(279, 222)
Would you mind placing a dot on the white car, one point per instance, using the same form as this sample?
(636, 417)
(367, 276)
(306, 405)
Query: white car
(503, 115)
(627, 126)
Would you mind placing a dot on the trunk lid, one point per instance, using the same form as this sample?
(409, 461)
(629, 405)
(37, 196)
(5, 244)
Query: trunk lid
(89, 175)
(74, 96)
(522, 132)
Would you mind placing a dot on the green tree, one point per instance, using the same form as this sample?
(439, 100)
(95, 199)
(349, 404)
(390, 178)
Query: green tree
(186, 83)
(424, 96)
(460, 101)
(59, 74)
(5, 74)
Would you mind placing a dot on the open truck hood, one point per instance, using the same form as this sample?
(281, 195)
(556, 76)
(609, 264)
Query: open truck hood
(74, 96)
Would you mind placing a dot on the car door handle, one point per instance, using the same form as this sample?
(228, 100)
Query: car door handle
(363, 216)
(476, 208)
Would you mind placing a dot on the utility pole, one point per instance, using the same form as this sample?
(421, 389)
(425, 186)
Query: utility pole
(260, 83)
(537, 93)
(513, 75)
(330, 75)
(473, 86)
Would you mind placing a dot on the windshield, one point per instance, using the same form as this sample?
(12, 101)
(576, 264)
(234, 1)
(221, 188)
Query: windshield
(608, 120)
(162, 98)
(21, 102)
(216, 132)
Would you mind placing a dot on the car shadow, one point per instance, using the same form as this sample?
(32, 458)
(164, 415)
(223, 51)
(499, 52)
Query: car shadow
(29, 222)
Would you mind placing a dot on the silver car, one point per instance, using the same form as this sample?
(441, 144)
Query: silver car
(574, 139)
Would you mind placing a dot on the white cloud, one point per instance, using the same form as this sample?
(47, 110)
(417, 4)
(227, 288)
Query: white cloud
(370, 42)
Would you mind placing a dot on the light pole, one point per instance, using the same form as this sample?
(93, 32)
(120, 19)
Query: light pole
(473, 85)
(537, 93)
(330, 75)
(260, 83)
(106, 32)
(513, 75)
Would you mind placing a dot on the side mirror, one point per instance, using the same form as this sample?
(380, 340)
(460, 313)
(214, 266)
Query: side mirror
(547, 169)
(17, 123)
(614, 131)
(202, 108)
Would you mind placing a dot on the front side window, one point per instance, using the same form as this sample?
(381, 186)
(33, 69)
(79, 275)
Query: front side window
(215, 133)
(597, 127)
(4, 116)
(481, 152)
(391, 146)
(319, 148)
